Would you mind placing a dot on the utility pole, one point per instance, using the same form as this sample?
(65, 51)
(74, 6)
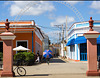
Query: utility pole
(60, 49)
(62, 33)
(66, 37)
(63, 40)
(59, 26)
(59, 36)
(66, 29)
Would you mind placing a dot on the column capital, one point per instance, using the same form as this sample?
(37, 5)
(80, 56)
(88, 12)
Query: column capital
(91, 34)
(7, 36)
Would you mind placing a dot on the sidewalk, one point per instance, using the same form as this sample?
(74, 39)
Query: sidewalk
(57, 68)
(71, 61)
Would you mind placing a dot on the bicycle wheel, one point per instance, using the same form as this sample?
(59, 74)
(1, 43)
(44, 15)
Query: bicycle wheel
(21, 71)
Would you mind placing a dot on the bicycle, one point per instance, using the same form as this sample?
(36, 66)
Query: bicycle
(20, 70)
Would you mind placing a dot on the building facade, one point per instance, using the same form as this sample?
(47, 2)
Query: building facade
(45, 42)
(63, 49)
(77, 43)
(55, 48)
(27, 35)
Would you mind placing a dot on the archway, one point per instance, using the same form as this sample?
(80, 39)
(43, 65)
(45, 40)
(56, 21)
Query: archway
(65, 3)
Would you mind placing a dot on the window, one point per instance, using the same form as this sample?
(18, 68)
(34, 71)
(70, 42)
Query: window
(22, 43)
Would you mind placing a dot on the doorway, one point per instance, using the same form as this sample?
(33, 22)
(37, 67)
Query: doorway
(83, 52)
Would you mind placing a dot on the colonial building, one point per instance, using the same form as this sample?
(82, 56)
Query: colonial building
(27, 35)
(77, 43)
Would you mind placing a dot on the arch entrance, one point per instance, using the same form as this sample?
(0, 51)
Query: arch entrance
(6, 71)
(67, 4)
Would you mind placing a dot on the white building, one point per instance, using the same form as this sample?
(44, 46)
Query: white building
(77, 43)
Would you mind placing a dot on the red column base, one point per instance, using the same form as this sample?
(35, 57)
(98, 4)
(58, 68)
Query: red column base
(7, 74)
(92, 73)
(99, 70)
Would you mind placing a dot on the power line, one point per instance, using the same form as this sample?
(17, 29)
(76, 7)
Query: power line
(48, 27)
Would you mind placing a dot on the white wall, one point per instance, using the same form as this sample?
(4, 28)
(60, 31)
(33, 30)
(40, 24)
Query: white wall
(78, 51)
(62, 54)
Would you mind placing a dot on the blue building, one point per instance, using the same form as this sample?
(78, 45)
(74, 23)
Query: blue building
(77, 43)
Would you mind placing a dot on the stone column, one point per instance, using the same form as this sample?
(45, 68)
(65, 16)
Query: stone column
(92, 50)
(7, 38)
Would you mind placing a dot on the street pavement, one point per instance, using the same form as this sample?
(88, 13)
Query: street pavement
(57, 68)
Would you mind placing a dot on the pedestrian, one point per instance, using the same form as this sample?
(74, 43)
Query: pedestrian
(38, 57)
(48, 59)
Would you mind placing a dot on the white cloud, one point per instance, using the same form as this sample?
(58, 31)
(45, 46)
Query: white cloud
(6, 3)
(72, 2)
(34, 7)
(92, 12)
(58, 21)
(53, 34)
(70, 19)
(62, 19)
(51, 15)
(95, 5)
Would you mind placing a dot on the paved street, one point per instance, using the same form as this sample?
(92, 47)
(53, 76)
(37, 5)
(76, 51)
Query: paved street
(57, 69)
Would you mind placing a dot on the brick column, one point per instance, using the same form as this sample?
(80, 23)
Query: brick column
(92, 57)
(7, 38)
(91, 37)
(7, 59)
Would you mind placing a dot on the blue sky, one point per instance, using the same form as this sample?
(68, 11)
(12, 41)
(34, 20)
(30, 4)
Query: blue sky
(49, 13)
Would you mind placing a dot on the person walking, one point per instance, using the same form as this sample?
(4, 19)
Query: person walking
(38, 57)
(47, 54)
(48, 59)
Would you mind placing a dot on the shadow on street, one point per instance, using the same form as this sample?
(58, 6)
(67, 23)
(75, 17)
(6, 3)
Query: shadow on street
(52, 74)
(56, 60)
(34, 75)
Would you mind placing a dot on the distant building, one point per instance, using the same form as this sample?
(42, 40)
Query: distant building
(27, 35)
(45, 42)
(63, 49)
(51, 48)
(55, 48)
(77, 43)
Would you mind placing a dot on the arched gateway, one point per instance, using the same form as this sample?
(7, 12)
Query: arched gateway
(7, 38)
